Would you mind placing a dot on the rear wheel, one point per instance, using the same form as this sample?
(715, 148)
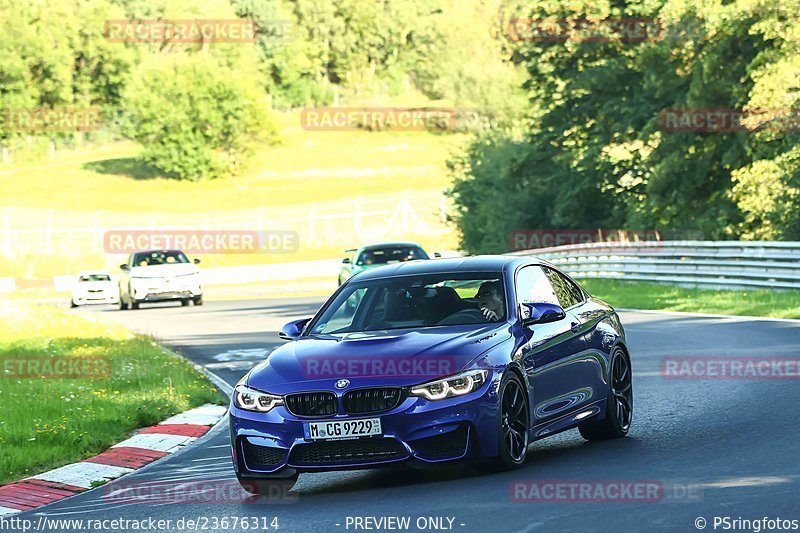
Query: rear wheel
(619, 405)
(198, 300)
(134, 304)
(271, 488)
(72, 303)
(185, 302)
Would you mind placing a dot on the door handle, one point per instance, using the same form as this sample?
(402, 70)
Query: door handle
(575, 327)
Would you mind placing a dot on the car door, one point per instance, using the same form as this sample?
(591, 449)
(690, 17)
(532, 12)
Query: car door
(552, 351)
(588, 369)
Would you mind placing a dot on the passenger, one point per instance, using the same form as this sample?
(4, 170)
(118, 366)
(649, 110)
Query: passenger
(490, 301)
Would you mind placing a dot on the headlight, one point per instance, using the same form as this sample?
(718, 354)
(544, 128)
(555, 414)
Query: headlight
(253, 400)
(458, 385)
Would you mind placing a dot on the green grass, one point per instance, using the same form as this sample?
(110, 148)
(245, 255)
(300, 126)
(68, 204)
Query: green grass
(306, 167)
(324, 173)
(46, 423)
(655, 296)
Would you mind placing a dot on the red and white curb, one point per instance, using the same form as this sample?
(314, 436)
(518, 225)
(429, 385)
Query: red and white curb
(143, 448)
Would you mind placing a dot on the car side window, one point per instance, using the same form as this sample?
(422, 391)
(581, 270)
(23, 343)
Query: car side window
(534, 287)
(568, 293)
(344, 316)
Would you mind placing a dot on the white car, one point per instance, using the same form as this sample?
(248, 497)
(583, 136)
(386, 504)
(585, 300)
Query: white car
(158, 276)
(94, 287)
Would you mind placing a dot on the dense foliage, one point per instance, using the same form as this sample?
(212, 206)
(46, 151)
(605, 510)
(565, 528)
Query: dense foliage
(197, 107)
(595, 154)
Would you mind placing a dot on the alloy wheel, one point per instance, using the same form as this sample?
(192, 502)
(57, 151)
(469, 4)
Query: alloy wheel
(514, 421)
(622, 390)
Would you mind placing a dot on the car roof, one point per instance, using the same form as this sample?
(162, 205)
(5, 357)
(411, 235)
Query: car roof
(151, 250)
(388, 245)
(476, 263)
(94, 272)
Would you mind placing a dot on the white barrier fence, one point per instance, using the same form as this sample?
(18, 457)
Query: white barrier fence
(713, 264)
(27, 232)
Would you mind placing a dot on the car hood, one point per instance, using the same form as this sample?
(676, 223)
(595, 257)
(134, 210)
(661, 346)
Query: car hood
(376, 358)
(164, 271)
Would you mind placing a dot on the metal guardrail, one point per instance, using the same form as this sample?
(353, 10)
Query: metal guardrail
(713, 264)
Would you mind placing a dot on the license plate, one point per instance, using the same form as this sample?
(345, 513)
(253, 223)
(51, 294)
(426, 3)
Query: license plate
(342, 429)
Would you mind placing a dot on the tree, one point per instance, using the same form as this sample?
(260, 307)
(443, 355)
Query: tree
(195, 116)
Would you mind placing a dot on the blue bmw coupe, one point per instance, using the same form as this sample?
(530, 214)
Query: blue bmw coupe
(432, 361)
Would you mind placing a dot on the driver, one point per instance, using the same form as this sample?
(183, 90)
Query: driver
(490, 300)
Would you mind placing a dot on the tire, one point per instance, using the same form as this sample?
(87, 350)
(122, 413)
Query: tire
(513, 423)
(185, 302)
(198, 300)
(72, 303)
(267, 487)
(134, 304)
(619, 404)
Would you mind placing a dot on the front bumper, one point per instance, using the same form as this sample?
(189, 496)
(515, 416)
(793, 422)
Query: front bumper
(155, 290)
(95, 298)
(273, 444)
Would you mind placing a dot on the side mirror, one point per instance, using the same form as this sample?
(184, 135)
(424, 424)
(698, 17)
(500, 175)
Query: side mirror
(124, 267)
(437, 254)
(346, 260)
(540, 313)
(196, 261)
(293, 329)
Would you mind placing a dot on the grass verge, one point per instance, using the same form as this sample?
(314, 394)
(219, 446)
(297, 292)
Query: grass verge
(46, 422)
(656, 296)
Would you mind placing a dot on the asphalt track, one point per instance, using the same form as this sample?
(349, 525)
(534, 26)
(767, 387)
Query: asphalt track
(719, 447)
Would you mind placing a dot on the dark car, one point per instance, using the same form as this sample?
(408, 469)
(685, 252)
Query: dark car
(379, 254)
(433, 361)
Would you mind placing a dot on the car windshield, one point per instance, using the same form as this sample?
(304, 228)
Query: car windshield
(390, 254)
(159, 257)
(445, 299)
(94, 277)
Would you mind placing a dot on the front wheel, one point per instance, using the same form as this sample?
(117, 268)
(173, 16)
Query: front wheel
(619, 405)
(198, 300)
(513, 425)
(272, 488)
